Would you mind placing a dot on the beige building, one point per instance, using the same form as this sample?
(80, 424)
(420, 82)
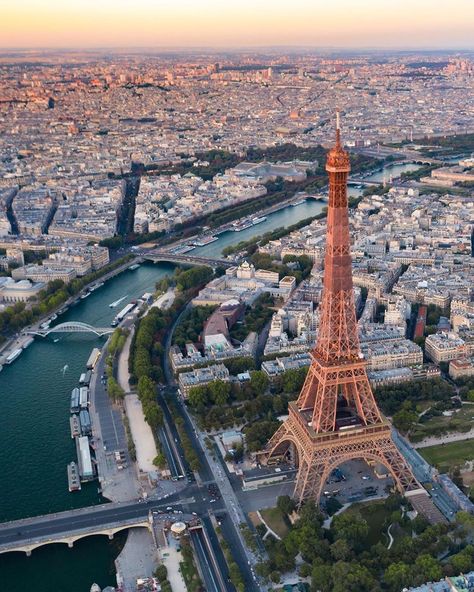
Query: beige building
(21, 291)
(443, 347)
(392, 354)
(463, 367)
(41, 273)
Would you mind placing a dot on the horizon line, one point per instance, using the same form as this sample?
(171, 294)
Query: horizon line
(238, 47)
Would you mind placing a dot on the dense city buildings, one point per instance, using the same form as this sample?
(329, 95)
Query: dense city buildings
(230, 287)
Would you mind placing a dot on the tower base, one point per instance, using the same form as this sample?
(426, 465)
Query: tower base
(318, 454)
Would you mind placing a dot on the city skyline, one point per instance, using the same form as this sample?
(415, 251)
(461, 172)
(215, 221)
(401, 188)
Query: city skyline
(40, 23)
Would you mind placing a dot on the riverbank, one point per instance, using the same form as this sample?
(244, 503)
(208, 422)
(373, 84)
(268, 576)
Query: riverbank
(35, 441)
(18, 341)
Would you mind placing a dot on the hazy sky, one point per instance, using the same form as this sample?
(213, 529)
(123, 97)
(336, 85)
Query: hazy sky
(226, 23)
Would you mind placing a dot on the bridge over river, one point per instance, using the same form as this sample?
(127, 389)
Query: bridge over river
(71, 327)
(67, 527)
(159, 255)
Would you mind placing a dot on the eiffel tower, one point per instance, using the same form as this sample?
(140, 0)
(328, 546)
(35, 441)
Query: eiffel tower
(336, 417)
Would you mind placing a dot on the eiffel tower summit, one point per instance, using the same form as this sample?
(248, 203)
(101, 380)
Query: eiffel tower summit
(336, 417)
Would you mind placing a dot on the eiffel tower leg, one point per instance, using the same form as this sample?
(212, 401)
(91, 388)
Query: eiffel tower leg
(310, 480)
(392, 458)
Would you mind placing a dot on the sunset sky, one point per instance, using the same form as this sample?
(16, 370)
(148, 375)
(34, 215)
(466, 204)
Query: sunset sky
(230, 23)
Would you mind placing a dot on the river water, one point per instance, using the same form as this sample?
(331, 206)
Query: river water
(35, 442)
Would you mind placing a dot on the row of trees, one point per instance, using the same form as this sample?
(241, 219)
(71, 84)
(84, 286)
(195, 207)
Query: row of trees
(189, 451)
(224, 405)
(186, 279)
(191, 325)
(117, 341)
(392, 397)
(153, 413)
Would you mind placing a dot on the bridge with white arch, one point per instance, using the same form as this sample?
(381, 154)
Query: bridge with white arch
(72, 327)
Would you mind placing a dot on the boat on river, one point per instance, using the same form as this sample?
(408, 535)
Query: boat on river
(73, 479)
(117, 302)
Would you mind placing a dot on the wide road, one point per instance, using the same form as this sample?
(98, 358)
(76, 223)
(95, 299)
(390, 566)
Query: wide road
(206, 472)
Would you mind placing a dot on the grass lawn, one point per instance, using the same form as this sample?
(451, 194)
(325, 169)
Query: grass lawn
(375, 515)
(445, 456)
(274, 518)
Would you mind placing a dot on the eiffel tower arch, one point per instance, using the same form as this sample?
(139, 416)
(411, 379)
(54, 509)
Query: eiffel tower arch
(336, 418)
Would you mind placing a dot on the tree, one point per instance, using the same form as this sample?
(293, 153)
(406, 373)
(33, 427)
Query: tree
(259, 433)
(333, 505)
(340, 550)
(405, 418)
(258, 381)
(419, 524)
(321, 577)
(115, 391)
(286, 504)
(146, 389)
(351, 527)
(219, 391)
(428, 568)
(198, 396)
(160, 461)
(153, 414)
(161, 573)
(293, 380)
(463, 562)
(275, 577)
(353, 577)
(304, 570)
(398, 576)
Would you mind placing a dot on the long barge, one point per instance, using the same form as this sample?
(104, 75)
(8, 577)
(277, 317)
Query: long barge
(75, 426)
(73, 479)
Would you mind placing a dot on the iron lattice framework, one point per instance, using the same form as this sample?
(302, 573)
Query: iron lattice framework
(336, 417)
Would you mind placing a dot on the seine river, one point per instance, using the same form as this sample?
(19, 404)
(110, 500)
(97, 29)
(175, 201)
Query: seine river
(35, 442)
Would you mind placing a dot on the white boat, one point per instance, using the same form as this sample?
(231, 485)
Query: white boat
(205, 241)
(298, 203)
(13, 356)
(256, 221)
(242, 226)
(117, 302)
(183, 250)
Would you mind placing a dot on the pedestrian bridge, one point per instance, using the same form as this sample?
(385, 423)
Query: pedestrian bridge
(72, 327)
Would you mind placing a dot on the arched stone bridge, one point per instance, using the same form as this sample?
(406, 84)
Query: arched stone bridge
(67, 527)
